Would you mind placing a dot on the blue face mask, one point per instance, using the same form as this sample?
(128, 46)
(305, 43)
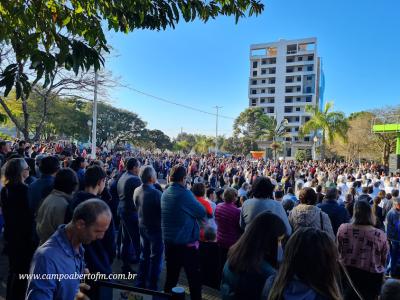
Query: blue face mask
(279, 256)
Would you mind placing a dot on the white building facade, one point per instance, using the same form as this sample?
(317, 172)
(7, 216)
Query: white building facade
(284, 78)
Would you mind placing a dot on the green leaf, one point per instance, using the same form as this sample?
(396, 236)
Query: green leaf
(79, 9)
(66, 21)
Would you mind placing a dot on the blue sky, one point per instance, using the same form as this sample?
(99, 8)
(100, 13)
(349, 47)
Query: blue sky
(204, 65)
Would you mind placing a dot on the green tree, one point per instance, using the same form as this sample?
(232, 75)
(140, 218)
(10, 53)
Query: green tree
(275, 133)
(301, 155)
(189, 139)
(152, 139)
(117, 125)
(254, 125)
(44, 34)
(331, 123)
(203, 144)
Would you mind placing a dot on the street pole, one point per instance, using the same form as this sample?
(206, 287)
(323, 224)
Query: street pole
(94, 127)
(216, 129)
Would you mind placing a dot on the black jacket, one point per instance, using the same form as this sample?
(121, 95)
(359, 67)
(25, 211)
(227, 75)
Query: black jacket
(127, 184)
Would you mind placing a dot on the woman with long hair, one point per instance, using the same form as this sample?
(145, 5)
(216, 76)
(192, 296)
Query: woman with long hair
(363, 250)
(18, 226)
(309, 269)
(253, 258)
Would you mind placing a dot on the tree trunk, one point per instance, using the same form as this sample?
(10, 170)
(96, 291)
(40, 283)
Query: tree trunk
(323, 145)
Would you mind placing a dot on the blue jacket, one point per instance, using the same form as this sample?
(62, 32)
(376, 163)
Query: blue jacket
(294, 290)
(147, 200)
(245, 285)
(180, 211)
(337, 214)
(393, 224)
(56, 256)
(38, 190)
(99, 254)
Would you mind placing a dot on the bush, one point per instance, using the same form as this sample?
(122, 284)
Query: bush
(301, 155)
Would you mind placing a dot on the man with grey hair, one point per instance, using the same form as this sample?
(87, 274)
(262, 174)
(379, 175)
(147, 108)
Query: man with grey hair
(62, 253)
(147, 200)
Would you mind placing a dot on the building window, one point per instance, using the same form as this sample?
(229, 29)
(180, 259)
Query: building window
(309, 68)
(263, 71)
(307, 139)
(263, 91)
(254, 73)
(299, 69)
(272, 81)
(288, 109)
(271, 110)
(297, 108)
(291, 49)
(289, 59)
(253, 92)
(254, 82)
(263, 62)
(298, 99)
(289, 70)
(272, 60)
(272, 91)
(297, 119)
(309, 77)
(288, 99)
(254, 64)
(296, 129)
(288, 89)
(298, 78)
(306, 119)
(289, 79)
(308, 99)
(272, 71)
(262, 100)
(300, 58)
(253, 102)
(308, 90)
(298, 89)
(310, 57)
(263, 81)
(271, 100)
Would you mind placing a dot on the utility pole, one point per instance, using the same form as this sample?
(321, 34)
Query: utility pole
(94, 127)
(216, 129)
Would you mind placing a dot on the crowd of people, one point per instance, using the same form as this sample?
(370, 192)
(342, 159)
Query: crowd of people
(253, 229)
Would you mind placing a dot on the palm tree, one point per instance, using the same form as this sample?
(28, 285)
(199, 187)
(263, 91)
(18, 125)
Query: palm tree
(203, 144)
(274, 132)
(331, 123)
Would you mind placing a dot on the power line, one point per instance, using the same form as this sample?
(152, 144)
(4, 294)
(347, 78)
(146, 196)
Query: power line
(176, 103)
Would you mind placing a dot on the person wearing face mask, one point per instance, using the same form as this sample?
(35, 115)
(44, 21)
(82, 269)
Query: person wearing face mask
(253, 258)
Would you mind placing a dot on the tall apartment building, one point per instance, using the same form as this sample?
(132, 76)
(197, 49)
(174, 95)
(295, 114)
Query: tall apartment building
(284, 78)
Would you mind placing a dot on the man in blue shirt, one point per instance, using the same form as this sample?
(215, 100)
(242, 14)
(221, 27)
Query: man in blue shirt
(147, 200)
(62, 254)
(180, 213)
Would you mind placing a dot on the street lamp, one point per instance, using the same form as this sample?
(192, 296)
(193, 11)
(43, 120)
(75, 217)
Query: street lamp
(89, 124)
(315, 139)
